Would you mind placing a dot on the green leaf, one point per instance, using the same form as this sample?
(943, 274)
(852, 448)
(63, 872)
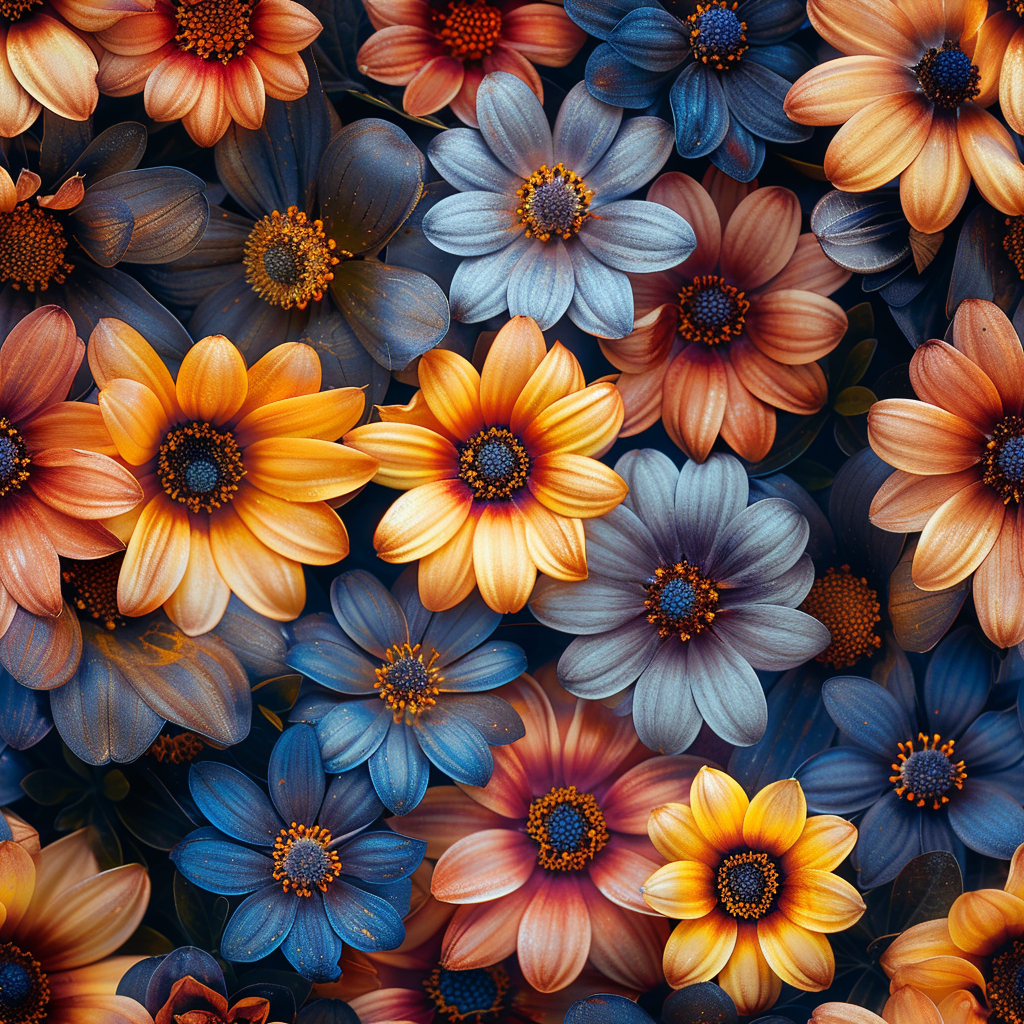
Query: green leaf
(811, 475)
(857, 363)
(854, 401)
(924, 890)
(115, 785)
(791, 445)
(49, 787)
(861, 319)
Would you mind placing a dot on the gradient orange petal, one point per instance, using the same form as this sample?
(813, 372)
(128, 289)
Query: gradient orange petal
(696, 389)
(905, 502)
(505, 572)
(201, 598)
(29, 569)
(306, 469)
(647, 345)
(394, 54)
(775, 817)
(795, 327)
(409, 455)
(421, 520)
(682, 889)
(575, 485)
(445, 575)
(517, 350)
(698, 950)
(208, 119)
(691, 201)
(118, 350)
(809, 270)
(451, 389)
(212, 381)
(802, 389)
(676, 836)
(443, 817)
(820, 901)
(83, 484)
(291, 370)
(557, 544)
(18, 108)
(944, 376)
(867, 26)
(760, 237)
(982, 921)
(1011, 61)
(139, 34)
(558, 375)
(283, 26)
(719, 805)
(992, 158)
(325, 415)
(800, 957)
(135, 419)
(935, 184)
(484, 866)
(156, 557)
(748, 425)
(284, 75)
(983, 332)
(585, 422)
(173, 86)
(922, 439)
(244, 95)
(554, 934)
(17, 883)
(434, 86)
(834, 91)
(751, 983)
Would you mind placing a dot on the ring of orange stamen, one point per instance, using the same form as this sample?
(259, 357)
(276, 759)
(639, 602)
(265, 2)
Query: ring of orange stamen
(494, 463)
(553, 201)
(681, 601)
(24, 988)
(711, 311)
(849, 608)
(717, 36)
(14, 458)
(186, 746)
(1004, 992)
(214, 29)
(747, 884)
(32, 248)
(927, 775)
(476, 995)
(200, 466)
(91, 586)
(302, 860)
(1003, 460)
(568, 827)
(406, 682)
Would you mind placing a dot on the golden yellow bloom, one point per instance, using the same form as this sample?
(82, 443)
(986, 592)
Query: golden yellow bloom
(752, 886)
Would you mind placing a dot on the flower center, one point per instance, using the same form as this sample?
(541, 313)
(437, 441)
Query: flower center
(711, 311)
(184, 747)
(554, 202)
(717, 36)
(1005, 991)
(406, 682)
(214, 29)
(469, 28)
(1003, 461)
(475, 995)
(947, 76)
(288, 259)
(91, 586)
(14, 458)
(200, 466)
(850, 609)
(927, 774)
(302, 861)
(32, 247)
(1013, 240)
(12, 10)
(680, 601)
(569, 828)
(24, 990)
(494, 463)
(748, 884)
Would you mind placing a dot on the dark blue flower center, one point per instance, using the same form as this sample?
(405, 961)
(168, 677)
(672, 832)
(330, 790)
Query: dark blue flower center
(1011, 459)
(712, 308)
(201, 476)
(303, 860)
(678, 599)
(927, 775)
(307, 862)
(14, 460)
(15, 984)
(717, 35)
(568, 827)
(553, 201)
(747, 884)
(494, 463)
(1003, 459)
(474, 995)
(200, 466)
(681, 600)
(406, 682)
(24, 990)
(952, 69)
(928, 772)
(947, 76)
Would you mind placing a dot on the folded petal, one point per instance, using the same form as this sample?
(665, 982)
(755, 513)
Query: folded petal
(505, 572)
(933, 188)
(306, 469)
(800, 957)
(574, 485)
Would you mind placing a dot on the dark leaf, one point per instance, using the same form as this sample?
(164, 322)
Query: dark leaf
(63, 141)
(201, 915)
(924, 890)
(811, 475)
(278, 694)
(791, 445)
(920, 618)
(146, 941)
(856, 365)
(49, 787)
(119, 148)
(854, 401)
(151, 814)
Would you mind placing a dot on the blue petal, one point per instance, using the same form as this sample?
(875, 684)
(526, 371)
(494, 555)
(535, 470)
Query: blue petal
(473, 223)
(257, 642)
(24, 713)
(790, 60)
(363, 920)
(584, 129)
(405, 590)
(889, 838)
(612, 79)
(381, 857)
(13, 768)
(867, 713)
(455, 746)
(350, 733)
(221, 866)
(333, 665)
(327, 1011)
(741, 153)
(651, 38)
(312, 708)
(368, 613)
(351, 803)
(755, 96)
(135, 980)
(296, 775)
(957, 683)
(602, 303)
(843, 780)
(495, 719)
(607, 1009)
(399, 769)
(992, 743)
(398, 894)
(186, 960)
(513, 123)
(937, 834)
(480, 285)
(489, 665)
(259, 924)
(458, 630)
(541, 284)
(599, 17)
(664, 711)
(638, 237)
(987, 820)
(770, 20)
(234, 803)
(311, 946)
(462, 158)
(700, 111)
(595, 667)
(635, 157)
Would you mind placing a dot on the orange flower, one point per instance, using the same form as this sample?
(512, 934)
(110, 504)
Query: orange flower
(905, 1006)
(238, 469)
(441, 51)
(732, 333)
(61, 916)
(910, 98)
(45, 60)
(751, 884)
(959, 458)
(56, 479)
(970, 963)
(1001, 37)
(209, 62)
(497, 469)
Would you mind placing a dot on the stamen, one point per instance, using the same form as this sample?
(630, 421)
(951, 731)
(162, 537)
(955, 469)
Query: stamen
(748, 884)
(14, 458)
(200, 466)
(406, 683)
(476, 995)
(850, 609)
(12, 10)
(494, 463)
(214, 29)
(302, 860)
(1013, 240)
(569, 828)
(946, 76)
(554, 202)
(681, 600)
(91, 586)
(32, 248)
(469, 28)
(1003, 461)
(711, 311)
(184, 747)
(1005, 991)
(24, 989)
(717, 36)
(927, 775)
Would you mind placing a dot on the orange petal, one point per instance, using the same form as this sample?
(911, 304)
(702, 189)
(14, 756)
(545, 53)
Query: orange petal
(575, 485)
(683, 889)
(809, 270)
(267, 582)
(905, 502)
(283, 26)
(820, 901)
(394, 54)
(674, 832)
(867, 26)
(801, 389)
(208, 119)
(938, 975)
(998, 595)
(83, 484)
(451, 388)
(834, 91)
(992, 159)
(693, 405)
(1011, 75)
(421, 520)
(747, 978)
(29, 569)
(647, 345)
(554, 934)
(487, 865)
(409, 455)
(326, 416)
(75, 538)
(908, 1006)
(18, 108)
(748, 426)
(698, 950)
(140, 34)
(434, 86)
(760, 237)
(691, 201)
(585, 422)
(443, 817)
(775, 817)
(172, 87)
(944, 376)
(922, 439)
(878, 142)
(485, 934)
(556, 543)
(290, 370)
(202, 596)
(795, 327)
(642, 399)
(156, 558)
(935, 184)
(212, 382)
(517, 350)
(1015, 880)
(284, 75)
(118, 350)
(415, 411)
(8, 192)
(542, 33)
(558, 375)
(135, 419)
(306, 469)
(982, 921)
(824, 844)
(924, 941)
(66, 425)
(719, 806)
(17, 883)
(505, 572)
(244, 94)
(800, 957)
(982, 331)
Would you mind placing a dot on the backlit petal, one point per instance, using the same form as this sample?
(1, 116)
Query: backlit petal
(202, 596)
(933, 188)
(306, 469)
(574, 485)
(517, 350)
(156, 558)
(505, 572)
(212, 382)
(750, 982)
(719, 805)
(820, 901)
(698, 950)
(118, 350)
(326, 415)
(922, 439)
(800, 957)
(834, 91)
(775, 818)
(421, 520)
(683, 889)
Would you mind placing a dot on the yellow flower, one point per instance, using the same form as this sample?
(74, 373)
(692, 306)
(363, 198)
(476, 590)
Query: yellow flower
(752, 886)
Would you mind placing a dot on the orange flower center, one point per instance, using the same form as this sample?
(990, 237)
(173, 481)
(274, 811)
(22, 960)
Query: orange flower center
(469, 28)
(1013, 240)
(302, 860)
(91, 586)
(12, 10)
(288, 260)
(32, 247)
(946, 75)
(1003, 461)
(406, 682)
(717, 36)
(568, 827)
(748, 883)
(1005, 990)
(14, 458)
(554, 201)
(927, 775)
(476, 995)
(200, 466)
(681, 600)
(494, 463)
(850, 609)
(178, 749)
(24, 990)
(1016, 7)
(214, 29)
(711, 311)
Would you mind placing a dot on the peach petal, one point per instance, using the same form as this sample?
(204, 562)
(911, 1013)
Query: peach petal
(244, 94)
(118, 350)
(18, 108)
(421, 520)
(944, 376)
(17, 883)
(657, 289)
(283, 26)
(485, 934)
(642, 398)
(208, 118)
(99, 979)
(938, 975)
(834, 91)
(443, 817)
(933, 188)
(156, 558)
(795, 327)
(512, 62)
(620, 873)
(66, 425)
(647, 345)
(867, 26)
(691, 201)
(698, 950)
(325, 416)
(908, 1006)
(752, 984)
(905, 502)
(557, 376)
(800, 957)
(809, 270)
(982, 331)
(83, 484)
(982, 921)
(517, 350)
(543, 33)
(554, 934)
(434, 86)
(201, 598)
(960, 1007)
(719, 806)
(843, 1013)
(463, 105)
(126, 76)
(1015, 879)
(920, 942)
(801, 389)
(60, 865)
(394, 55)
(76, 538)
(992, 158)
(1011, 75)
(310, 532)
(383, 13)
(484, 866)
(451, 388)
(284, 75)
(505, 572)
(922, 439)
(693, 405)
(625, 947)
(760, 237)
(748, 426)
(140, 34)
(29, 569)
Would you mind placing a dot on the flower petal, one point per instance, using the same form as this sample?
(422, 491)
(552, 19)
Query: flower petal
(922, 439)
(683, 889)
(795, 327)
(505, 572)
(554, 934)
(698, 950)
(306, 469)
(760, 237)
(484, 866)
(719, 806)
(326, 415)
(748, 979)
(575, 485)
(800, 957)
(933, 188)
(422, 520)
(775, 818)
(982, 331)
(834, 91)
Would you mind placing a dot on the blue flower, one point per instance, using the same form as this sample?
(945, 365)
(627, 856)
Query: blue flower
(421, 675)
(689, 591)
(309, 889)
(928, 767)
(542, 216)
(735, 68)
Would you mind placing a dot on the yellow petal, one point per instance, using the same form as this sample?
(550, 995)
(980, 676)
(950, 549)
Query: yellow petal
(719, 806)
(585, 422)
(118, 350)
(558, 375)
(800, 957)
(575, 485)
(775, 817)
(212, 382)
(557, 543)
(409, 455)
(683, 889)
(325, 415)
(306, 469)
(820, 901)
(202, 596)
(445, 576)
(515, 353)
(824, 844)
(17, 883)
(982, 921)
(451, 387)
(674, 832)
(135, 418)
(505, 572)
(156, 558)
(698, 950)
(286, 371)
(752, 984)
(421, 520)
